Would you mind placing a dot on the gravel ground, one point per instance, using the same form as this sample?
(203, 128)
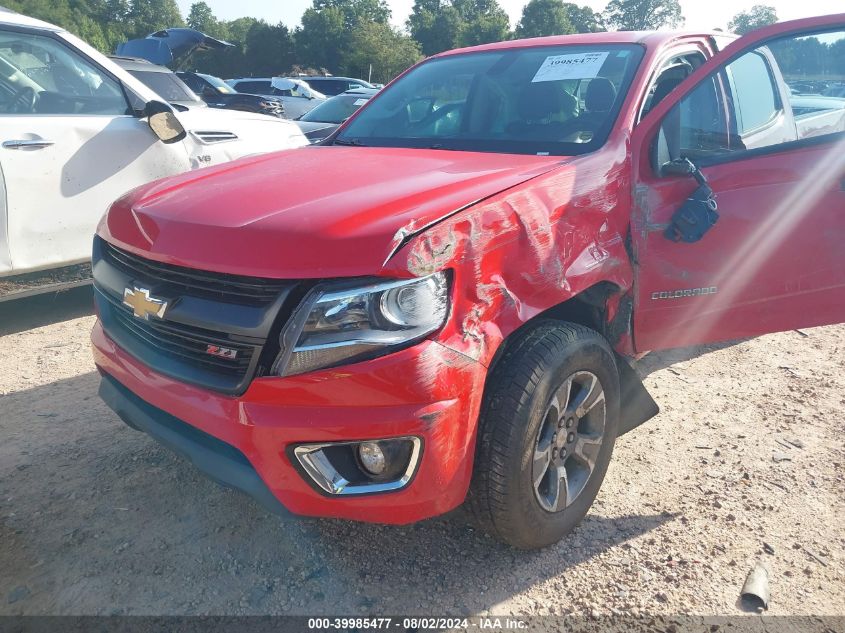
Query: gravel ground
(745, 463)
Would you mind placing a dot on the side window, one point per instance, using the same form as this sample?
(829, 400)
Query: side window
(704, 127)
(254, 87)
(791, 89)
(813, 68)
(329, 86)
(41, 75)
(671, 74)
(756, 101)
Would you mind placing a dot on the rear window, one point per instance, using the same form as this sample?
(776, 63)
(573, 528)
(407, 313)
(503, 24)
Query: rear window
(166, 85)
(192, 81)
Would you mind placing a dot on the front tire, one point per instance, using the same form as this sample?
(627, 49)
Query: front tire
(547, 428)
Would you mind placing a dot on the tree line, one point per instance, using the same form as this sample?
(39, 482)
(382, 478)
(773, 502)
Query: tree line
(351, 37)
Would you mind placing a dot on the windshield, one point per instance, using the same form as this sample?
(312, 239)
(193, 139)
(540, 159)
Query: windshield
(335, 110)
(559, 100)
(167, 85)
(218, 83)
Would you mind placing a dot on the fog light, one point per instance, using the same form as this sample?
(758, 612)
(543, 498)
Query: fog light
(351, 468)
(372, 458)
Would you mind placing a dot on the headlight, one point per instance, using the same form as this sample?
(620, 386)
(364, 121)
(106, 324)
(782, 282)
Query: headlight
(343, 325)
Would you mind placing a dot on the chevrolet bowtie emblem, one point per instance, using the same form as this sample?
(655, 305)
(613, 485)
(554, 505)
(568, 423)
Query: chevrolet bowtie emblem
(142, 304)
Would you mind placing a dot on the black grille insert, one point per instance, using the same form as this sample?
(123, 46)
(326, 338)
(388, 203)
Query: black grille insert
(187, 343)
(238, 289)
(205, 311)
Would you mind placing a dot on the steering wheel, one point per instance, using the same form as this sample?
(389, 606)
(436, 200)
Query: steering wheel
(23, 101)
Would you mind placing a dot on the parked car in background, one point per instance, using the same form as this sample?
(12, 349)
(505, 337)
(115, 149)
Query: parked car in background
(320, 122)
(175, 47)
(161, 80)
(218, 94)
(332, 86)
(78, 131)
(297, 95)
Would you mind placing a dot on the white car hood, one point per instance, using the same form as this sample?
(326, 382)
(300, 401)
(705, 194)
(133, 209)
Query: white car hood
(217, 116)
(216, 135)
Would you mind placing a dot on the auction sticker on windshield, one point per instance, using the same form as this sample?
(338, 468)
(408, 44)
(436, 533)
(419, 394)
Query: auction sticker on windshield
(574, 66)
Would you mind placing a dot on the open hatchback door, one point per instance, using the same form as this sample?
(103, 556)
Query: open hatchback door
(739, 220)
(171, 47)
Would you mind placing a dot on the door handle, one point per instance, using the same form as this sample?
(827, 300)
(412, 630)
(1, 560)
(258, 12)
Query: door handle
(40, 143)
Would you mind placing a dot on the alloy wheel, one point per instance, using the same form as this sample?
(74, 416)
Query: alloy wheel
(568, 441)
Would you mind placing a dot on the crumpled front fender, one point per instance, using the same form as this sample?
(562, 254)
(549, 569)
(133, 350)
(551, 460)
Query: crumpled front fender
(526, 250)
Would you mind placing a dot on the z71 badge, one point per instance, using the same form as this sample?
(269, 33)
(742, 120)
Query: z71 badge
(680, 294)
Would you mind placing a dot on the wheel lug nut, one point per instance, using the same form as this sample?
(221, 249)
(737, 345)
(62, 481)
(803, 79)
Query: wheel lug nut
(570, 422)
(560, 424)
(554, 453)
(570, 437)
(563, 452)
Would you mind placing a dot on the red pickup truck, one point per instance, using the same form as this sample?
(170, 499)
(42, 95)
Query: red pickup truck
(440, 303)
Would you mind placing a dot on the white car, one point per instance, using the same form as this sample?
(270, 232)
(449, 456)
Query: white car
(77, 131)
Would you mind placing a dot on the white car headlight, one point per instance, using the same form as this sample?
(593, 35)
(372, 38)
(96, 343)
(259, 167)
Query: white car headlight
(339, 325)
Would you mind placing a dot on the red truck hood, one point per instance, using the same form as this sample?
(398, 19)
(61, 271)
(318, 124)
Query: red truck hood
(323, 211)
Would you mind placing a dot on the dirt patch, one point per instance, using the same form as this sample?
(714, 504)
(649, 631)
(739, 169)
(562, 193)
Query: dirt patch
(744, 463)
(54, 277)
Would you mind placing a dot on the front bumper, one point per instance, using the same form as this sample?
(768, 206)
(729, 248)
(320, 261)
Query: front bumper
(427, 391)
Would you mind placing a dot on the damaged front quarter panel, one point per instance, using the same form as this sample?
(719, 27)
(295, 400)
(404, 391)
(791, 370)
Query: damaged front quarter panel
(525, 250)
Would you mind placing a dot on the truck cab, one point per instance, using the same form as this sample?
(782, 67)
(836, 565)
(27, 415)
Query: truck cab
(453, 314)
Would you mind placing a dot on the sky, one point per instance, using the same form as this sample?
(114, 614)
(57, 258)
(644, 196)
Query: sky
(700, 14)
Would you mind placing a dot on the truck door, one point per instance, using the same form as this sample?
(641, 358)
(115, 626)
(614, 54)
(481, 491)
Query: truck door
(753, 125)
(68, 148)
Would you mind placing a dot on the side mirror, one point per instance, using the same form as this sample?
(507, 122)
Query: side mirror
(164, 123)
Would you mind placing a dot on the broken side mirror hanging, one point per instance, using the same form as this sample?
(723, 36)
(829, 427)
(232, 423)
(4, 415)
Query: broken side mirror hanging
(699, 211)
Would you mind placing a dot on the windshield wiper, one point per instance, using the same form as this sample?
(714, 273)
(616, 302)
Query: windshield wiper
(351, 141)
